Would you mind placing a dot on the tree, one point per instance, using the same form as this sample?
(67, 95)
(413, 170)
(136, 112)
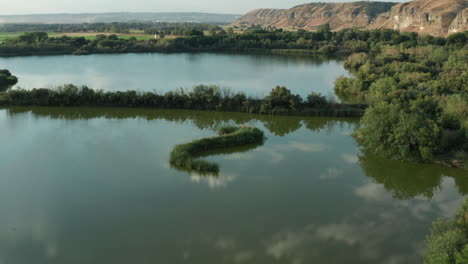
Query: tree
(34, 37)
(457, 39)
(399, 131)
(280, 99)
(193, 32)
(448, 242)
(325, 31)
(6, 80)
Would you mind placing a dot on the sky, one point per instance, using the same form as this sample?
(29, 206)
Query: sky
(15, 7)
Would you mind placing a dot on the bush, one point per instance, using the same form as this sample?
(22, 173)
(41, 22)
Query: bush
(280, 99)
(399, 132)
(6, 80)
(448, 242)
(316, 100)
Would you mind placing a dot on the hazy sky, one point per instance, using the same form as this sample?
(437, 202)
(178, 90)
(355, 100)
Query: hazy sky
(10, 7)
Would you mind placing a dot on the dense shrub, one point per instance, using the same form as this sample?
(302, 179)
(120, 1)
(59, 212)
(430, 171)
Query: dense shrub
(399, 131)
(448, 242)
(419, 97)
(6, 80)
(281, 99)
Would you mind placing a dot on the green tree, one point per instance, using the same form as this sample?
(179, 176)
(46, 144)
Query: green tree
(280, 99)
(457, 39)
(448, 242)
(7, 80)
(399, 131)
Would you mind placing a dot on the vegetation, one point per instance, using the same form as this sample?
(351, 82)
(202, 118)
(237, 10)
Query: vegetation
(202, 97)
(186, 156)
(152, 28)
(418, 99)
(448, 243)
(193, 38)
(6, 80)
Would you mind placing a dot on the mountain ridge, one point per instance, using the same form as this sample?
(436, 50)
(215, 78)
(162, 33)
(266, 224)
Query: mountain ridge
(435, 17)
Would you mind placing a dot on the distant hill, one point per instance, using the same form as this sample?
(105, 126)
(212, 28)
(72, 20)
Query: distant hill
(118, 17)
(435, 17)
(312, 16)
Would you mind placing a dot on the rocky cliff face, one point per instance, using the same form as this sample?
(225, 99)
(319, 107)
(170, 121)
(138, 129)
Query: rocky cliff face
(460, 23)
(311, 16)
(435, 17)
(264, 17)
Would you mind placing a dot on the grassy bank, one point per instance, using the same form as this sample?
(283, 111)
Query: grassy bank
(186, 157)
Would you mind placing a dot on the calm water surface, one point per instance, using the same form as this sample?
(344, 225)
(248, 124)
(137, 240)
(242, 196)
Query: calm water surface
(255, 75)
(95, 186)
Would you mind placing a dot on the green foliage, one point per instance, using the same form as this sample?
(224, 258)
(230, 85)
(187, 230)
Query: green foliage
(457, 39)
(399, 131)
(192, 38)
(418, 95)
(356, 60)
(280, 99)
(350, 89)
(455, 111)
(33, 38)
(201, 97)
(186, 156)
(382, 89)
(316, 100)
(448, 242)
(193, 32)
(6, 80)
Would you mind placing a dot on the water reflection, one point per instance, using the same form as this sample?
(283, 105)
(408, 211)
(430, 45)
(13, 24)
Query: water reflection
(96, 192)
(277, 125)
(407, 180)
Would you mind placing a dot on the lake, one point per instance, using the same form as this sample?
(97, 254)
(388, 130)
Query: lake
(88, 185)
(255, 75)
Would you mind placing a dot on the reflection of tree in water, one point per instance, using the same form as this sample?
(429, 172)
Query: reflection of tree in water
(277, 125)
(407, 180)
(281, 126)
(404, 180)
(322, 123)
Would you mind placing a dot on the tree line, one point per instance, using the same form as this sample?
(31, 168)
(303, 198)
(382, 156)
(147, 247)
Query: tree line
(323, 41)
(280, 100)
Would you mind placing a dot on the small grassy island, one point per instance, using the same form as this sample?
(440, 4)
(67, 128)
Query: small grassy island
(186, 156)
